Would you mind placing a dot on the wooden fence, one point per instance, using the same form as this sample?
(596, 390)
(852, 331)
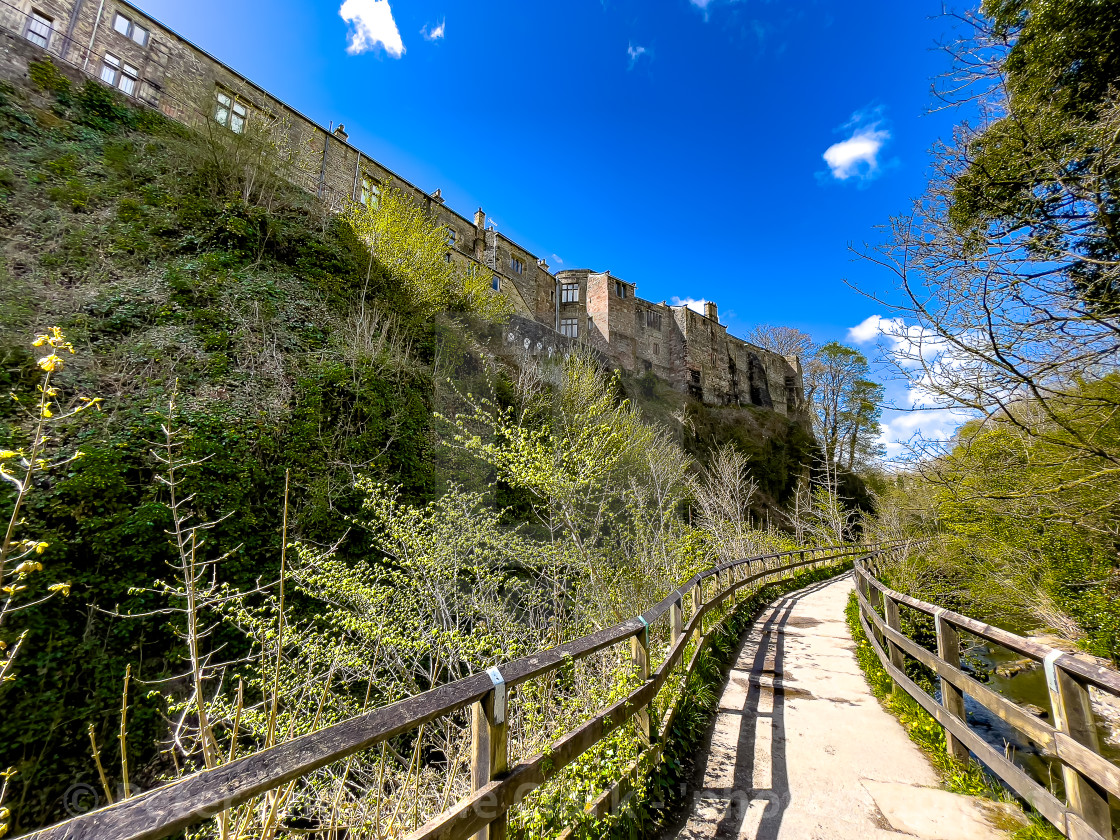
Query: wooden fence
(1088, 777)
(496, 787)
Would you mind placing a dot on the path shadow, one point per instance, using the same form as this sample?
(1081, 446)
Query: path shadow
(751, 805)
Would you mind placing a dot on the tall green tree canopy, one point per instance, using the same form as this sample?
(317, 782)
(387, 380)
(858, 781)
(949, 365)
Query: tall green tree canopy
(845, 403)
(1010, 270)
(1046, 170)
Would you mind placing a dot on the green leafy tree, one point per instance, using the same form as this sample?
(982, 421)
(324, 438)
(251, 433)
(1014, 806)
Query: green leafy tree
(412, 247)
(860, 424)
(604, 481)
(1009, 268)
(1045, 168)
(845, 404)
(1026, 534)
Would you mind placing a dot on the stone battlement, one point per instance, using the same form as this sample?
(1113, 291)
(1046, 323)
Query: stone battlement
(117, 43)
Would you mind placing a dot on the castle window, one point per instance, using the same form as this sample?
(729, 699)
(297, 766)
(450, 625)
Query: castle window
(653, 319)
(569, 293)
(371, 194)
(569, 327)
(127, 81)
(516, 265)
(149, 91)
(657, 349)
(619, 288)
(447, 257)
(451, 236)
(118, 74)
(39, 29)
(496, 283)
(110, 69)
(695, 376)
(231, 113)
(130, 30)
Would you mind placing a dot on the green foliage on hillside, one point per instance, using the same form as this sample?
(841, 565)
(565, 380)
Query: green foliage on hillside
(112, 229)
(1026, 527)
(1009, 269)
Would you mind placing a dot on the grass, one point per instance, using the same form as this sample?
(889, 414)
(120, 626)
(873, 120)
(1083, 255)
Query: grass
(970, 779)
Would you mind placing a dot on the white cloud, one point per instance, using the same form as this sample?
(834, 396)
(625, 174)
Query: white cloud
(866, 330)
(635, 53)
(371, 23)
(904, 342)
(901, 430)
(923, 355)
(858, 156)
(702, 4)
(436, 32)
(692, 303)
(556, 259)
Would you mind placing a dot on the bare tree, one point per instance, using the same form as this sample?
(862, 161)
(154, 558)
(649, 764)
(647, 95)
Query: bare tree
(785, 341)
(1009, 265)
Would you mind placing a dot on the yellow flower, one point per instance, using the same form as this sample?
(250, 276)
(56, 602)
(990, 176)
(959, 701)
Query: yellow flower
(40, 547)
(51, 363)
(47, 412)
(29, 566)
(64, 588)
(8, 453)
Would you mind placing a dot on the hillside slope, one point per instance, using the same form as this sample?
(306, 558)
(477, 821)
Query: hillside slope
(287, 347)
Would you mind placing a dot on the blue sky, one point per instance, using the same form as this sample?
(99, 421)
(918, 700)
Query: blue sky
(721, 149)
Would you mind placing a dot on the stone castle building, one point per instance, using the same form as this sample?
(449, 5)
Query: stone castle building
(122, 47)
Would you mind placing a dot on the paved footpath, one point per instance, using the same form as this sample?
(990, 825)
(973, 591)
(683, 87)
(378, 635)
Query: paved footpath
(801, 750)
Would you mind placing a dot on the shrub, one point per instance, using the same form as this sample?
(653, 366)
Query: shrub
(46, 77)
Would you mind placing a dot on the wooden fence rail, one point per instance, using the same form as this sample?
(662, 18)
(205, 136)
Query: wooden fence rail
(1088, 777)
(200, 796)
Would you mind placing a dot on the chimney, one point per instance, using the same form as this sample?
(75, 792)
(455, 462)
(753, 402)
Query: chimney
(479, 219)
(543, 265)
(437, 196)
(340, 132)
(710, 311)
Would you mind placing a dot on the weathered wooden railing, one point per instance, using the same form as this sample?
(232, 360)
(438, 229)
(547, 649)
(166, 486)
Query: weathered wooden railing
(1088, 777)
(496, 787)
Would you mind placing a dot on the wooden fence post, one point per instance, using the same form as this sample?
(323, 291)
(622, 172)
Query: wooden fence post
(698, 602)
(639, 650)
(890, 613)
(489, 744)
(676, 620)
(1073, 715)
(952, 698)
